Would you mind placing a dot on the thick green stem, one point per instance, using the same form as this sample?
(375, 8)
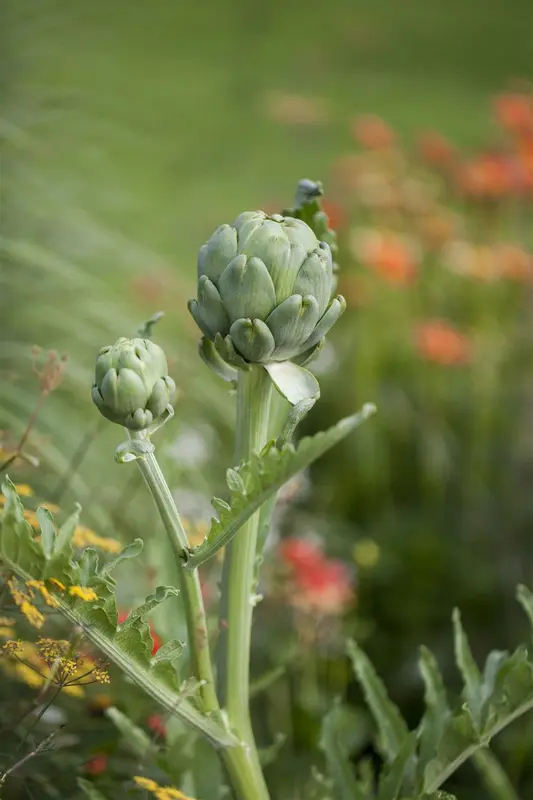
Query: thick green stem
(253, 406)
(190, 583)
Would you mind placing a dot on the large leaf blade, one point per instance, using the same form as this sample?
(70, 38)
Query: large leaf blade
(263, 476)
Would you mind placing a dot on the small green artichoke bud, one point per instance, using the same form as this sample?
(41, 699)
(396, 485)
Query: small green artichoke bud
(131, 384)
(265, 287)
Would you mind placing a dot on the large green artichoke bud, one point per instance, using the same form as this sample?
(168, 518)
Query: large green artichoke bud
(264, 289)
(131, 384)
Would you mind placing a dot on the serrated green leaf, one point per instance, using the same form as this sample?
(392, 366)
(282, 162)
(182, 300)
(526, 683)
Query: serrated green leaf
(337, 743)
(137, 740)
(393, 775)
(458, 742)
(437, 711)
(131, 550)
(263, 476)
(17, 542)
(169, 652)
(48, 531)
(235, 482)
(391, 725)
(129, 647)
(90, 791)
(133, 636)
(468, 669)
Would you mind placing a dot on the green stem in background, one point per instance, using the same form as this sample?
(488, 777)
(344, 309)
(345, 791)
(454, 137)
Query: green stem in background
(253, 406)
(190, 582)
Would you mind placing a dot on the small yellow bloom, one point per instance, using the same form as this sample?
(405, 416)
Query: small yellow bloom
(5, 632)
(57, 584)
(32, 614)
(83, 592)
(146, 783)
(23, 490)
(47, 597)
(366, 553)
(7, 621)
(31, 517)
(85, 537)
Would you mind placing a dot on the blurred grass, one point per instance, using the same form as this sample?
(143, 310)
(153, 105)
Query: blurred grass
(131, 130)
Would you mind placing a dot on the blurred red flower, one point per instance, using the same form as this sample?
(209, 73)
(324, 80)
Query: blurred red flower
(514, 112)
(317, 585)
(157, 641)
(372, 132)
(300, 553)
(97, 765)
(157, 724)
(440, 342)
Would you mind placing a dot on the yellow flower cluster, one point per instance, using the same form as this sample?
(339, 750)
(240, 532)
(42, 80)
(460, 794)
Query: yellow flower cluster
(159, 792)
(83, 592)
(52, 661)
(24, 601)
(85, 537)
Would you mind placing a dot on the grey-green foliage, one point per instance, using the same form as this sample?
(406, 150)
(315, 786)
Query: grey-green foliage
(131, 383)
(253, 483)
(265, 287)
(418, 763)
(128, 645)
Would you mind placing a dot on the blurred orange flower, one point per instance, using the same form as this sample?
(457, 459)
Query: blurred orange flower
(372, 132)
(489, 176)
(393, 257)
(435, 149)
(438, 341)
(514, 112)
(513, 262)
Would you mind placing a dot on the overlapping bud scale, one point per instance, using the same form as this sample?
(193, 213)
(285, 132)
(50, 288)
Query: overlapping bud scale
(265, 285)
(131, 385)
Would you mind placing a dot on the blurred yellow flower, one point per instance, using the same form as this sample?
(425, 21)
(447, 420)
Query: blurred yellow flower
(23, 490)
(160, 792)
(83, 592)
(366, 553)
(85, 537)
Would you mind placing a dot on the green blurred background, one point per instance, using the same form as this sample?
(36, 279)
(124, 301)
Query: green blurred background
(129, 132)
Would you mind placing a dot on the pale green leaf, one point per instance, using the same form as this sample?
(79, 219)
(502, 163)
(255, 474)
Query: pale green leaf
(341, 732)
(469, 670)
(392, 727)
(48, 531)
(393, 775)
(131, 550)
(437, 710)
(293, 382)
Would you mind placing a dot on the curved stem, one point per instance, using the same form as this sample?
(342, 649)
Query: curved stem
(253, 406)
(189, 581)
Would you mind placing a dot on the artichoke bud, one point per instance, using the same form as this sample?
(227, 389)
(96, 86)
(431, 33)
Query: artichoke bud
(265, 289)
(131, 385)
